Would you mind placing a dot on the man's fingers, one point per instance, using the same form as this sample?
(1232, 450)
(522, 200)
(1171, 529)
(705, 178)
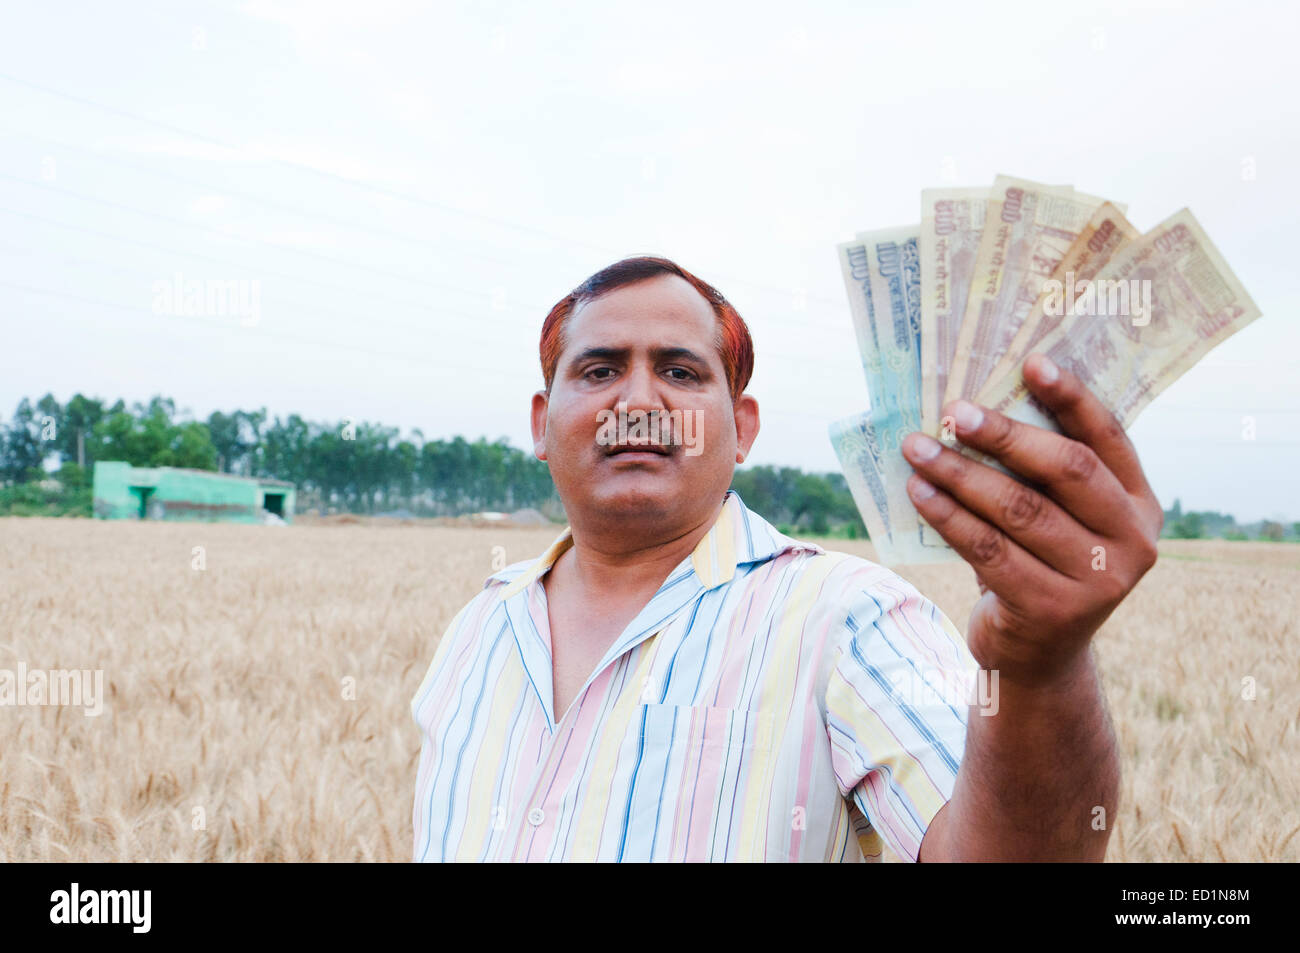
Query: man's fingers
(997, 560)
(1021, 512)
(1084, 417)
(1073, 473)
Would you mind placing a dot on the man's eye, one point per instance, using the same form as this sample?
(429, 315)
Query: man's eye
(687, 375)
(596, 370)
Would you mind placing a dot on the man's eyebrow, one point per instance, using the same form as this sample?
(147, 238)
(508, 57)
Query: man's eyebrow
(677, 354)
(599, 353)
(621, 353)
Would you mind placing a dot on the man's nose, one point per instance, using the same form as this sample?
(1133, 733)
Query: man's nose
(641, 390)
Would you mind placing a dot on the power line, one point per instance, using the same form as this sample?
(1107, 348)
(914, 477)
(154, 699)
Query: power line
(258, 200)
(301, 339)
(228, 236)
(242, 239)
(438, 312)
(458, 365)
(368, 186)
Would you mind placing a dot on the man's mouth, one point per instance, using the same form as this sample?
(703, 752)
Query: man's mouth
(661, 449)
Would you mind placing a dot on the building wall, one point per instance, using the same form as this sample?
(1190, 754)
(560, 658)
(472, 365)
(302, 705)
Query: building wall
(182, 495)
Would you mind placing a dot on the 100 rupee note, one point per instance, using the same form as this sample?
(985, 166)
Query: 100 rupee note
(952, 223)
(1106, 233)
(1188, 301)
(1029, 229)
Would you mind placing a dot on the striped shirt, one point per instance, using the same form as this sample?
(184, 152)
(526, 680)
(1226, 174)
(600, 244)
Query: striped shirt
(773, 701)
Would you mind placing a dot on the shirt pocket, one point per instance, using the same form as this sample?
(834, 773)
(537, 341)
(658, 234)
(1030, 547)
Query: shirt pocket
(699, 768)
(705, 728)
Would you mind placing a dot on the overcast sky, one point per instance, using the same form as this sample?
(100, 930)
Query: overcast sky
(415, 184)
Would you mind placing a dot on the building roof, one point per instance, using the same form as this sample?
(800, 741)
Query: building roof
(266, 481)
(262, 481)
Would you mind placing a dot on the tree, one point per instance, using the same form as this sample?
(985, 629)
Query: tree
(1272, 531)
(189, 445)
(23, 449)
(52, 425)
(1189, 527)
(80, 417)
(227, 440)
(253, 426)
(285, 449)
(150, 438)
(813, 502)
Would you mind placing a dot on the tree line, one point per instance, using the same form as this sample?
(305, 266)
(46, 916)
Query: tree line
(337, 467)
(1211, 524)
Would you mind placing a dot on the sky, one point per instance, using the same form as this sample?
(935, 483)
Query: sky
(411, 186)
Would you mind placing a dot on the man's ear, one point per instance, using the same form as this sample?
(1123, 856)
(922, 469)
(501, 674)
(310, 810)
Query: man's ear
(745, 411)
(540, 403)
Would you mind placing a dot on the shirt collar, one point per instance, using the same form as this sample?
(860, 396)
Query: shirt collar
(737, 537)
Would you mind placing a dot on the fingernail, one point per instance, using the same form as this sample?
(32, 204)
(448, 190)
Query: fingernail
(1047, 371)
(967, 415)
(923, 448)
(921, 490)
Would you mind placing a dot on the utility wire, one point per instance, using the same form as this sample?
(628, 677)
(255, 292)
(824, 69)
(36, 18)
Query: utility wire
(369, 186)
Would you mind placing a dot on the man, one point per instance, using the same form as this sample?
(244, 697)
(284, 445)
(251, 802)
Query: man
(673, 679)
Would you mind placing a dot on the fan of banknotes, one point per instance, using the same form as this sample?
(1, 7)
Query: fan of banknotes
(951, 308)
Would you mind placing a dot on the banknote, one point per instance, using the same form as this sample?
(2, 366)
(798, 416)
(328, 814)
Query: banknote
(861, 458)
(952, 307)
(894, 274)
(859, 454)
(1106, 232)
(1155, 309)
(856, 272)
(865, 470)
(1030, 228)
(893, 263)
(952, 222)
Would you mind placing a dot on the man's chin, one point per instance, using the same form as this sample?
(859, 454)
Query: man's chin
(637, 496)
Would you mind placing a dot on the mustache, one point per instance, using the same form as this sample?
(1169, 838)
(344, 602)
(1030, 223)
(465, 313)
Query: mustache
(661, 431)
(666, 449)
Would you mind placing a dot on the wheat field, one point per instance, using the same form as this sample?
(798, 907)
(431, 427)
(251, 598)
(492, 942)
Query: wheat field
(257, 684)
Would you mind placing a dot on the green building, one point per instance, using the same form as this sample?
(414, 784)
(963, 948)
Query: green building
(124, 492)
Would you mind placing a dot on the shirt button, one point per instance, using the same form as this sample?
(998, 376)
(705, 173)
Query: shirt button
(536, 816)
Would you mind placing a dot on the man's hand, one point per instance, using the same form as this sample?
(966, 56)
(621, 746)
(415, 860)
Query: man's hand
(1053, 560)
(1040, 779)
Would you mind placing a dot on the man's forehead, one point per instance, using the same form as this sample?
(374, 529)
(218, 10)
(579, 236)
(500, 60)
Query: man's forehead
(664, 307)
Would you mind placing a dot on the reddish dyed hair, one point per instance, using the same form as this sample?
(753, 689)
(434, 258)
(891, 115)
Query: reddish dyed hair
(735, 346)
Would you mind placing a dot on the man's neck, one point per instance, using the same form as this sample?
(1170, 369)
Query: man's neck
(621, 559)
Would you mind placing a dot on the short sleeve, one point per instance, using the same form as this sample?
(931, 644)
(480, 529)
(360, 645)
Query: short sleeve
(896, 702)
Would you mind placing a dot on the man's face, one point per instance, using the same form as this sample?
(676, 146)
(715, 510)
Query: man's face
(647, 347)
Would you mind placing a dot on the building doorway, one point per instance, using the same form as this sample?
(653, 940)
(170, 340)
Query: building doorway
(142, 493)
